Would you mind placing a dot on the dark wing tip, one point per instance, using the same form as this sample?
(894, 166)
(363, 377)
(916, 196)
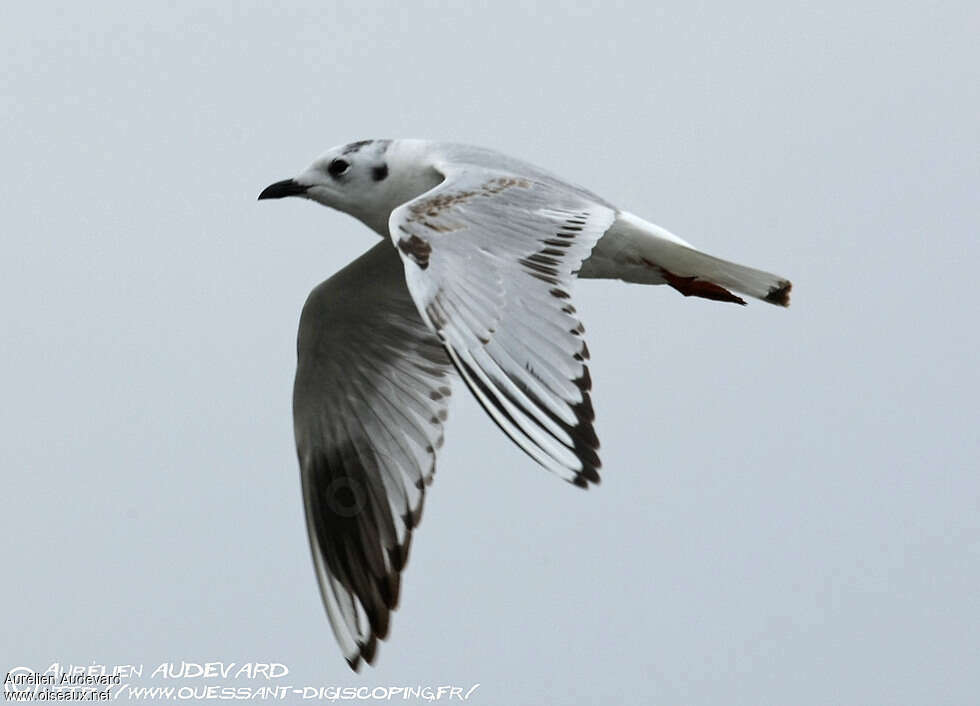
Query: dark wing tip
(399, 554)
(779, 294)
(366, 654)
(591, 474)
(369, 649)
(588, 476)
(586, 444)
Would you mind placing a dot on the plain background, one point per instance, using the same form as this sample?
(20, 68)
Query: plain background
(788, 511)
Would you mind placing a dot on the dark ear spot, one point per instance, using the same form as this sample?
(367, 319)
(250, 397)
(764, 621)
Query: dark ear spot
(379, 172)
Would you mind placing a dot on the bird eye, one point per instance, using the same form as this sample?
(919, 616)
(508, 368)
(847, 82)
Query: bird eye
(338, 167)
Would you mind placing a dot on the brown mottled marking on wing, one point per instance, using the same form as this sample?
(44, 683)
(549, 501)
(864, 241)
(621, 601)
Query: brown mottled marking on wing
(433, 206)
(694, 287)
(417, 249)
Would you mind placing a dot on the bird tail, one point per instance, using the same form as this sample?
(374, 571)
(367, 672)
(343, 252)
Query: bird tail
(635, 250)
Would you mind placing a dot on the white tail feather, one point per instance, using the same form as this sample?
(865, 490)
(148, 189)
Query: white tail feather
(635, 250)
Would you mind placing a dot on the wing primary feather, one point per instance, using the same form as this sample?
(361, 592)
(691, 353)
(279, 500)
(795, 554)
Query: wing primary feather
(372, 385)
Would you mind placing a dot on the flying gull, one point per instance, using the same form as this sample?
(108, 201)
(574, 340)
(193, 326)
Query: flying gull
(472, 277)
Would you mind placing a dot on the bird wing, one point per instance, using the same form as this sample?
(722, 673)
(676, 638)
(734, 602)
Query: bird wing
(369, 402)
(489, 259)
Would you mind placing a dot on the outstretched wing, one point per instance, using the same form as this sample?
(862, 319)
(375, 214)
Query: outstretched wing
(369, 402)
(489, 259)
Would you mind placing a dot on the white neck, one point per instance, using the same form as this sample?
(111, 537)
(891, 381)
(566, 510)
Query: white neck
(410, 163)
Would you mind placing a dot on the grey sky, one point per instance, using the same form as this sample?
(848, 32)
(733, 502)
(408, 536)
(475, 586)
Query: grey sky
(788, 511)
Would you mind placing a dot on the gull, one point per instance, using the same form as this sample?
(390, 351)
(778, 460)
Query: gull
(472, 278)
